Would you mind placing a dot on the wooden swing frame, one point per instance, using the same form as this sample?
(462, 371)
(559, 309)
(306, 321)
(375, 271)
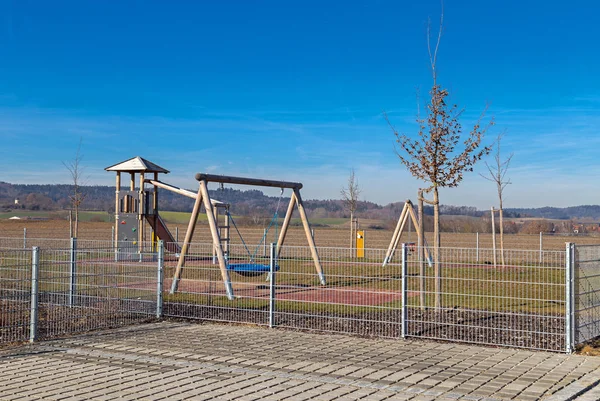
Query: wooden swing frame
(408, 211)
(203, 198)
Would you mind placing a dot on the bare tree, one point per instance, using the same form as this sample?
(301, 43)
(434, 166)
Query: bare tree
(433, 157)
(497, 174)
(77, 195)
(350, 198)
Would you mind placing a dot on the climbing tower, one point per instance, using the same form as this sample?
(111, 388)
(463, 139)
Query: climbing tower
(135, 206)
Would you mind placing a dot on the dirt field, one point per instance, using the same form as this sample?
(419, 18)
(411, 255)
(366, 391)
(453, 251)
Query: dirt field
(324, 237)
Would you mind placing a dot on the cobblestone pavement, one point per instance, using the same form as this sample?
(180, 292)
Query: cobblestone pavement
(184, 361)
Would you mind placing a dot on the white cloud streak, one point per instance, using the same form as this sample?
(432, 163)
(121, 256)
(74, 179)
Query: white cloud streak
(554, 162)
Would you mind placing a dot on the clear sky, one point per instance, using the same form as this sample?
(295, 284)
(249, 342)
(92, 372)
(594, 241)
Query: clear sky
(295, 90)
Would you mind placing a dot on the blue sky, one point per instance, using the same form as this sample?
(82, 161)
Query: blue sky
(295, 90)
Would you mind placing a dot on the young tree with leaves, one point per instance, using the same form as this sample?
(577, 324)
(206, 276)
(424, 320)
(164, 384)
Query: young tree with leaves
(433, 157)
(350, 198)
(497, 174)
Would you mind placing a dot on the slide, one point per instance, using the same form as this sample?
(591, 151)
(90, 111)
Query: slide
(163, 233)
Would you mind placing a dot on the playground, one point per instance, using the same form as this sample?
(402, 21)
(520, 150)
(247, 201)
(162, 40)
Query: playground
(219, 273)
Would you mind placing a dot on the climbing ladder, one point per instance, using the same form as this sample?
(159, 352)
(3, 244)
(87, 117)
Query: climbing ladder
(223, 225)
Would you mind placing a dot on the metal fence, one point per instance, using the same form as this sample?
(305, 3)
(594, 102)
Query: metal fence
(587, 290)
(52, 292)
(15, 294)
(521, 303)
(547, 303)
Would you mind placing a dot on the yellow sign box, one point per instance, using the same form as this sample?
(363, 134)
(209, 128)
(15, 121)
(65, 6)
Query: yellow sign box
(360, 244)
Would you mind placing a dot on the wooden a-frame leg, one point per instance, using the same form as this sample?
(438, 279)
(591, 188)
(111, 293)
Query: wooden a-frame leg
(186, 243)
(217, 245)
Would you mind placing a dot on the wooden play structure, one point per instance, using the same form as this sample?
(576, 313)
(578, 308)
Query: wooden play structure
(203, 197)
(408, 212)
(135, 208)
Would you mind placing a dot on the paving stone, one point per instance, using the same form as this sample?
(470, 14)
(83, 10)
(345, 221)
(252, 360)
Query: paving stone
(218, 362)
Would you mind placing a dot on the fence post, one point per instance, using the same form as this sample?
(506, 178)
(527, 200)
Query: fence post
(265, 242)
(24, 237)
(72, 271)
(272, 285)
(541, 246)
(404, 286)
(159, 279)
(570, 298)
(477, 248)
(112, 237)
(35, 270)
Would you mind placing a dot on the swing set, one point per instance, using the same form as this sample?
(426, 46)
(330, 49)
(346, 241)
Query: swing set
(135, 208)
(251, 267)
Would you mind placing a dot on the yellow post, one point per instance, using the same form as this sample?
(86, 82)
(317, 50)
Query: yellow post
(360, 244)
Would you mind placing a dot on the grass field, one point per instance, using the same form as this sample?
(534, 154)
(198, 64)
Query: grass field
(324, 236)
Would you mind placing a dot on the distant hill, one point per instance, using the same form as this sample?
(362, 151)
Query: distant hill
(246, 203)
(254, 203)
(583, 212)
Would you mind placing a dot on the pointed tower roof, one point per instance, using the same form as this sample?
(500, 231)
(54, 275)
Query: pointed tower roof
(137, 164)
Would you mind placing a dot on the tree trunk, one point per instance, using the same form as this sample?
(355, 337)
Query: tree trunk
(352, 232)
(421, 250)
(501, 234)
(71, 223)
(436, 249)
(494, 249)
(76, 224)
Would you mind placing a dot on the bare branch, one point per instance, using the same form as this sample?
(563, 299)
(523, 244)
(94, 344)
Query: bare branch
(77, 196)
(350, 194)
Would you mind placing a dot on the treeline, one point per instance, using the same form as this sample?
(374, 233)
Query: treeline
(256, 205)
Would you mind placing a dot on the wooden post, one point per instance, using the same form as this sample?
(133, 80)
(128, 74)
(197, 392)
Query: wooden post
(286, 223)
(390, 250)
(494, 236)
(216, 239)
(426, 253)
(117, 209)
(216, 213)
(186, 242)
(141, 213)
(404, 220)
(311, 242)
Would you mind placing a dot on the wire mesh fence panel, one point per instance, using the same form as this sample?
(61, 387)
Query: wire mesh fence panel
(587, 289)
(511, 298)
(201, 290)
(12, 243)
(15, 294)
(87, 289)
(27, 242)
(520, 303)
(359, 296)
